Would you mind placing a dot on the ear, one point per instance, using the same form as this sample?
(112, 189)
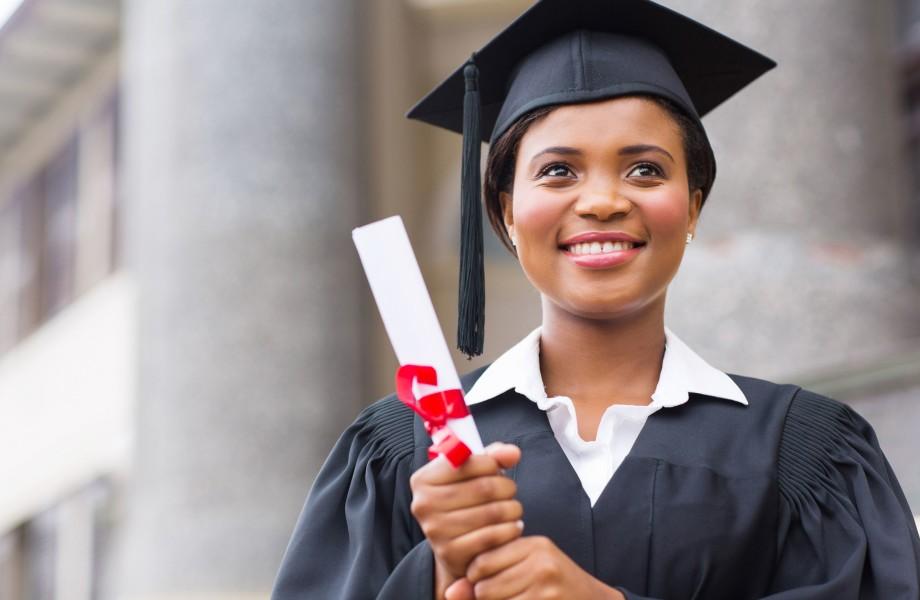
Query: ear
(507, 205)
(696, 205)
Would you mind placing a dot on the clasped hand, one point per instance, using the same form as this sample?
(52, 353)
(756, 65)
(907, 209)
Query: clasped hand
(473, 523)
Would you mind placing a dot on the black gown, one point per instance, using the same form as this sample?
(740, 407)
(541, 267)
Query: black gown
(788, 498)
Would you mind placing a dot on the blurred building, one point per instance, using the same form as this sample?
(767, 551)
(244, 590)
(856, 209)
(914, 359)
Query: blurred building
(65, 322)
(184, 329)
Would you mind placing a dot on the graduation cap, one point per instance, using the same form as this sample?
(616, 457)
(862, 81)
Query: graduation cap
(566, 52)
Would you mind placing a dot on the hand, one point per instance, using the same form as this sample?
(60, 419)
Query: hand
(468, 510)
(528, 567)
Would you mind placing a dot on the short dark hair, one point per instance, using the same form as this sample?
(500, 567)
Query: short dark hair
(499, 175)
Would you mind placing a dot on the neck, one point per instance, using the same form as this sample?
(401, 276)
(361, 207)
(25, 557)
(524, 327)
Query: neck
(599, 362)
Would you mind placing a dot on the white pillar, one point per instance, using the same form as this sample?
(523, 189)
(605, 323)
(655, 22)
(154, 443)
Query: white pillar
(242, 181)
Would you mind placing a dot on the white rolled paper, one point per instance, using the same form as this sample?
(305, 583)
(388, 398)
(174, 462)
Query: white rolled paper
(407, 312)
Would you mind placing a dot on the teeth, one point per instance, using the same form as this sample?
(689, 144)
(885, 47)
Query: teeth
(600, 247)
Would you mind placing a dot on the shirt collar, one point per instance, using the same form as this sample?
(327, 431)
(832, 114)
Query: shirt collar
(682, 372)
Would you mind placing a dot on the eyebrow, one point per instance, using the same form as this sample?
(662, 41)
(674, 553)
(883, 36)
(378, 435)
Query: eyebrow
(642, 148)
(625, 151)
(563, 150)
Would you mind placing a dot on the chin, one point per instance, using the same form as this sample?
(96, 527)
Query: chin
(602, 308)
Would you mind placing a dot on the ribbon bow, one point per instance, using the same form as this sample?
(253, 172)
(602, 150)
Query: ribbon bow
(435, 409)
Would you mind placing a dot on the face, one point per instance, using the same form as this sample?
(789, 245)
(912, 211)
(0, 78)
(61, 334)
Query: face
(600, 207)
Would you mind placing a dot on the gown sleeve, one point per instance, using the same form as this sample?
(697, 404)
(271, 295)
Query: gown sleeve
(845, 529)
(356, 538)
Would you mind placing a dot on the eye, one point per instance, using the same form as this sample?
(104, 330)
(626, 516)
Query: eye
(646, 169)
(556, 170)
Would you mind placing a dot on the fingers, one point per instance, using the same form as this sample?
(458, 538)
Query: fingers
(467, 510)
(492, 562)
(439, 499)
(460, 590)
(459, 522)
(440, 471)
(529, 565)
(506, 455)
(509, 583)
(461, 550)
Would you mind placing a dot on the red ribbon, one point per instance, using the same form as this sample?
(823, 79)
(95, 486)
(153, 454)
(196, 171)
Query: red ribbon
(435, 409)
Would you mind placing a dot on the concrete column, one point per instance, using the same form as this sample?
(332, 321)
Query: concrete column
(801, 258)
(242, 181)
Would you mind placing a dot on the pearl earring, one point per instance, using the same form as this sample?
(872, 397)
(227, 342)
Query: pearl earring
(689, 237)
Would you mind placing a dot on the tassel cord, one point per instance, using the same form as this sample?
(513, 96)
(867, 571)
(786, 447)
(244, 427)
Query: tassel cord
(471, 309)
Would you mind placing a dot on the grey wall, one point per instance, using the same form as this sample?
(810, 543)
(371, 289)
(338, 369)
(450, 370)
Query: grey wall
(801, 260)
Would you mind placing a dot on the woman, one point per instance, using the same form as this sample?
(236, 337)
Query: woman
(633, 469)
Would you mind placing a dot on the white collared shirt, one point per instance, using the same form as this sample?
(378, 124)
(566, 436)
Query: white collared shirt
(682, 372)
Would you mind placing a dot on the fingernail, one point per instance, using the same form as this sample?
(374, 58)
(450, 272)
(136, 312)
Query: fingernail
(520, 525)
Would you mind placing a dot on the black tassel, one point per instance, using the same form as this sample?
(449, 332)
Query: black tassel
(471, 310)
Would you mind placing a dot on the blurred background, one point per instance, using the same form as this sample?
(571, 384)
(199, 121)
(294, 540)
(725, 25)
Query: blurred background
(184, 326)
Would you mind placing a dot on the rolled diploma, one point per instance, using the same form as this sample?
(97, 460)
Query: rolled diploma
(407, 312)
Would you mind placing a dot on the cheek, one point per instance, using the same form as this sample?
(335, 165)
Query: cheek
(536, 214)
(667, 214)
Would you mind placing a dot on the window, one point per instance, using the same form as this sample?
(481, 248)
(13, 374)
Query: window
(9, 274)
(11, 566)
(95, 251)
(58, 251)
(58, 228)
(59, 549)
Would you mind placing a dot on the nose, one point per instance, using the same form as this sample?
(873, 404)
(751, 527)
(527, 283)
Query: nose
(603, 202)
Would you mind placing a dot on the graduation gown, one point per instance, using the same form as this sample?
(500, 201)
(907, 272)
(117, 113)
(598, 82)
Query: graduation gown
(788, 498)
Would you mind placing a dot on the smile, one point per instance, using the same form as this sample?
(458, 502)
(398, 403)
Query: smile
(587, 248)
(601, 249)
(601, 253)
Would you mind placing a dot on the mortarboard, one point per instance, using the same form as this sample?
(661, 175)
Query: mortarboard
(566, 52)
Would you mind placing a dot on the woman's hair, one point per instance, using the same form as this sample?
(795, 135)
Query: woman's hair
(499, 175)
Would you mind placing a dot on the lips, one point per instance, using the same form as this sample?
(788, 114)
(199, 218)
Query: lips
(601, 249)
(601, 236)
(583, 248)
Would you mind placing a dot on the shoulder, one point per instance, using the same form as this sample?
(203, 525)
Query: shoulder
(798, 413)
(766, 396)
(384, 428)
(823, 439)
(754, 425)
(820, 443)
(389, 427)
(805, 440)
(794, 409)
(802, 415)
(783, 429)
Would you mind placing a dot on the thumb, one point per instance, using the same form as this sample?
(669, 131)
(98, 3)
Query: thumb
(461, 589)
(506, 455)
